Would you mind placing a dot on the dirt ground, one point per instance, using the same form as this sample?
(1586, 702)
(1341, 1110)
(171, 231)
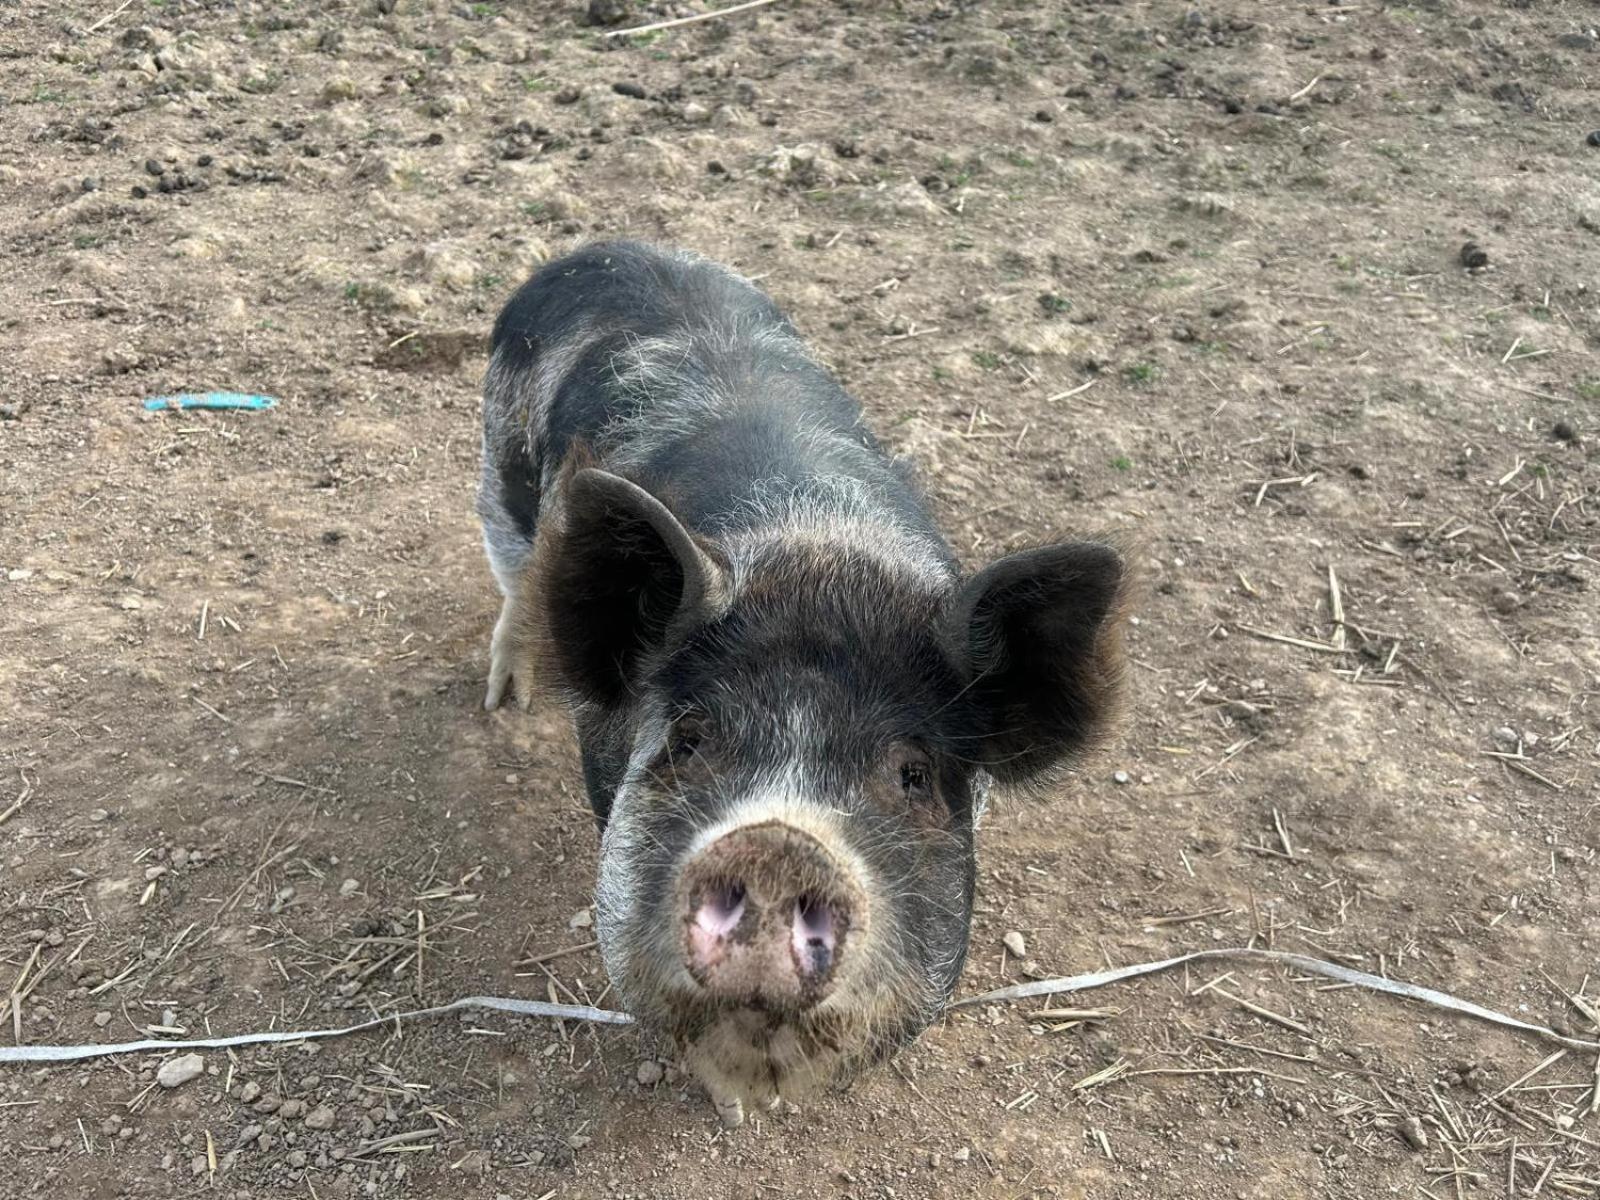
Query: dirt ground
(1194, 271)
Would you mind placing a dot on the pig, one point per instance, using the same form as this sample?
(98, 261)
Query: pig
(789, 699)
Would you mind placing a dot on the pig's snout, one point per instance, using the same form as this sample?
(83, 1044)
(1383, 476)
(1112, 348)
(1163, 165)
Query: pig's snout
(767, 913)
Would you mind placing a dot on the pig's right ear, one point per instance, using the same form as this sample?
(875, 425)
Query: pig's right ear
(622, 580)
(1038, 636)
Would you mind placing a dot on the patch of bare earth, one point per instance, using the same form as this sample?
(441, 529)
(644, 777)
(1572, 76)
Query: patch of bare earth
(1187, 271)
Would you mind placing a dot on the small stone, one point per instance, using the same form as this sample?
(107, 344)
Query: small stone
(1122, 778)
(102, 1018)
(649, 1073)
(152, 167)
(1564, 430)
(1506, 736)
(19, 575)
(176, 1072)
(320, 1117)
(962, 1155)
(99, 815)
(1017, 944)
(582, 919)
(349, 887)
(1594, 137)
(250, 1093)
(289, 1110)
(1414, 1134)
(1474, 257)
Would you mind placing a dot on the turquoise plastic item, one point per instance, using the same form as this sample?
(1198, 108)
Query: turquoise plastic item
(211, 400)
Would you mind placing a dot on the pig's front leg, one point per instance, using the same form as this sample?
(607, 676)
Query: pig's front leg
(735, 1074)
(511, 656)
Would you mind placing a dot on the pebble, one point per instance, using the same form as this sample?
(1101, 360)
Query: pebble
(250, 1093)
(349, 887)
(649, 1073)
(1017, 944)
(102, 1018)
(1121, 777)
(582, 919)
(320, 1117)
(962, 1155)
(176, 1072)
(1594, 137)
(1506, 736)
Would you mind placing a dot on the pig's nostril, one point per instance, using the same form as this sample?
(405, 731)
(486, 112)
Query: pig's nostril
(720, 912)
(815, 936)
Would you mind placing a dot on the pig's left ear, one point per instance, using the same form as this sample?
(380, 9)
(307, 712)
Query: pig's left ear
(622, 580)
(1039, 636)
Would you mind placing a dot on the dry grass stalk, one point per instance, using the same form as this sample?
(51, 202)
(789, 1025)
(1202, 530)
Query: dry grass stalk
(1276, 1018)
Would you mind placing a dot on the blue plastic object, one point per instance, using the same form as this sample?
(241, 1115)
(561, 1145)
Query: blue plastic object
(211, 400)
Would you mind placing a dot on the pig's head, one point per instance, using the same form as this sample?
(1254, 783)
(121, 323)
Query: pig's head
(797, 729)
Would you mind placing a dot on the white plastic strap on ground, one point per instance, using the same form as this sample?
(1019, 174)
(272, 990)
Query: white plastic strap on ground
(526, 1008)
(1021, 991)
(1315, 966)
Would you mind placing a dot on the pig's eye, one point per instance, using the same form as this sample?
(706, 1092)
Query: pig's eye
(916, 780)
(686, 739)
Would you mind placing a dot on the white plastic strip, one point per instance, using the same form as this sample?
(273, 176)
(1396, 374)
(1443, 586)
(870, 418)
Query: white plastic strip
(1315, 966)
(526, 1008)
(1021, 991)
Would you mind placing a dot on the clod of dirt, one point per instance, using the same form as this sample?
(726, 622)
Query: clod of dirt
(633, 91)
(1506, 736)
(606, 12)
(1507, 602)
(320, 1117)
(649, 1073)
(339, 89)
(1414, 1134)
(250, 1093)
(1474, 257)
(176, 1072)
(1564, 430)
(1016, 943)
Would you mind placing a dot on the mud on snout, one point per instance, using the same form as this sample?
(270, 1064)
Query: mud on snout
(768, 945)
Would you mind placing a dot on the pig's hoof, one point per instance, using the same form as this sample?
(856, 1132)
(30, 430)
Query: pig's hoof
(731, 1112)
(505, 669)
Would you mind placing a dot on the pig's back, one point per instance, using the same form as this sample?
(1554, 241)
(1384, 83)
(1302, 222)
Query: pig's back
(690, 380)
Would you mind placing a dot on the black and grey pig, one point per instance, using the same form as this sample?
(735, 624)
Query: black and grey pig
(790, 702)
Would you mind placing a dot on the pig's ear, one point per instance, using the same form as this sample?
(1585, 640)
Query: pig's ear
(1039, 636)
(623, 578)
